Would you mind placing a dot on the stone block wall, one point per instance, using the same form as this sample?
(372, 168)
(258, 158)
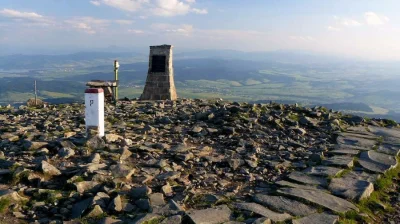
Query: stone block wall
(160, 85)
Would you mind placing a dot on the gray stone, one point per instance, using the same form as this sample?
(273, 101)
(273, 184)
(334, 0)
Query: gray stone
(377, 162)
(147, 218)
(351, 140)
(49, 169)
(11, 195)
(143, 204)
(262, 221)
(96, 143)
(140, 192)
(320, 197)
(176, 219)
(122, 171)
(360, 175)
(157, 199)
(79, 208)
(116, 204)
(345, 151)
(342, 161)
(294, 185)
(112, 138)
(66, 152)
(171, 208)
(261, 210)
(321, 218)
(282, 204)
(324, 171)
(95, 158)
(95, 212)
(28, 145)
(389, 149)
(306, 179)
(351, 188)
(125, 153)
(217, 215)
(171, 175)
(109, 220)
(87, 186)
(390, 135)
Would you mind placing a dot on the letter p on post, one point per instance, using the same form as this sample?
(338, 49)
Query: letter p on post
(94, 110)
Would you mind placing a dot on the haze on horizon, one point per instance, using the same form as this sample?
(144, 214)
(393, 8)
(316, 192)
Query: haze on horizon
(365, 29)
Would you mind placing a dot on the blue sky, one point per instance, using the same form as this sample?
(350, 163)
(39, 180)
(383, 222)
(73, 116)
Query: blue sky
(367, 28)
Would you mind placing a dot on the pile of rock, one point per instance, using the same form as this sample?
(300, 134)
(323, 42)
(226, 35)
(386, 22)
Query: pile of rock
(191, 161)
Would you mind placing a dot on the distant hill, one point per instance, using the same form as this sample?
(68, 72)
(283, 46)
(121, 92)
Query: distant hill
(84, 59)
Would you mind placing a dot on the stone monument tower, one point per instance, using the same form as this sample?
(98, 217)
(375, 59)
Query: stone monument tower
(160, 83)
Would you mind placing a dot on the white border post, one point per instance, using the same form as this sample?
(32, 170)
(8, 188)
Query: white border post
(94, 110)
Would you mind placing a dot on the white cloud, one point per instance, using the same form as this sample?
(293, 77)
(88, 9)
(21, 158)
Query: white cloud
(88, 25)
(135, 31)
(125, 5)
(184, 29)
(26, 17)
(199, 11)
(302, 38)
(347, 21)
(332, 28)
(96, 3)
(170, 8)
(154, 7)
(124, 22)
(374, 19)
(351, 22)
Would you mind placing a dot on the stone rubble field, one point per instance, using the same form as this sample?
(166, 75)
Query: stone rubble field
(198, 161)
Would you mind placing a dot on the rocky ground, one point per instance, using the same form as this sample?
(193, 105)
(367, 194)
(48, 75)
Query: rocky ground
(198, 161)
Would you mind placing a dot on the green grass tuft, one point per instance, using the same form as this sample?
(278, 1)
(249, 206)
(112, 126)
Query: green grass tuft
(4, 204)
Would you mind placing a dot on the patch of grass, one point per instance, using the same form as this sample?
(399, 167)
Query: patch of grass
(48, 196)
(155, 221)
(294, 117)
(226, 200)
(390, 122)
(343, 173)
(78, 179)
(199, 201)
(387, 179)
(4, 204)
(379, 200)
(240, 218)
(347, 221)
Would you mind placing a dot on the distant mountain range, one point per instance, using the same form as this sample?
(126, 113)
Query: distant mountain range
(87, 59)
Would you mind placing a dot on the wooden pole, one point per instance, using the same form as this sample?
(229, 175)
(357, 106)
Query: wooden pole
(35, 94)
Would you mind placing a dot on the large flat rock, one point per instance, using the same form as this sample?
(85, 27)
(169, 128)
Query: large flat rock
(345, 151)
(219, 214)
(282, 204)
(389, 149)
(351, 188)
(261, 210)
(377, 162)
(324, 171)
(342, 161)
(348, 139)
(306, 179)
(321, 198)
(285, 183)
(390, 135)
(321, 218)
(360, 175)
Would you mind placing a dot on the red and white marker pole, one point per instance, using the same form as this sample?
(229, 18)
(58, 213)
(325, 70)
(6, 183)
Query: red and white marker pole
(94, 110)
